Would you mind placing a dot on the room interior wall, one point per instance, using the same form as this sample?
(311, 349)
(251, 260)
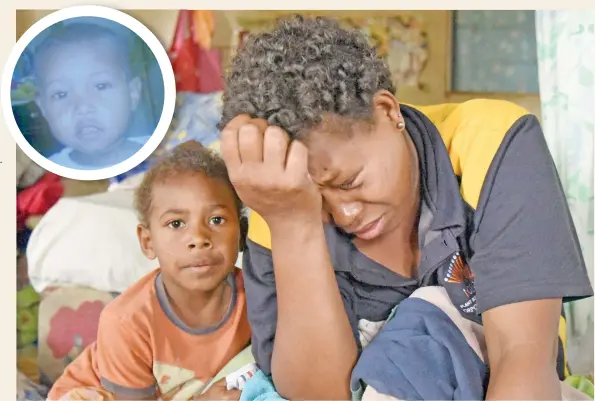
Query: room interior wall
(434, 76)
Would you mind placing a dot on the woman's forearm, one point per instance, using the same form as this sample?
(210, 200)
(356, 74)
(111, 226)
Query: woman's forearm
(524, 376)
(314, 349)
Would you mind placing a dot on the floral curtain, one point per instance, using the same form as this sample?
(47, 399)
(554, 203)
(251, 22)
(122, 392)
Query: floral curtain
(566, 59)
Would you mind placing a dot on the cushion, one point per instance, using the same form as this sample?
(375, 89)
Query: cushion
(88, 241)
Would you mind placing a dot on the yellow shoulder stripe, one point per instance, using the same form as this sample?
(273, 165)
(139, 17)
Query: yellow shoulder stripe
(473, 132)
(258, 230)
(562, 336)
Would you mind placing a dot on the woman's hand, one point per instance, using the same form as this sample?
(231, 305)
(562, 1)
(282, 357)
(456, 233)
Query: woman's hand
(269, 171)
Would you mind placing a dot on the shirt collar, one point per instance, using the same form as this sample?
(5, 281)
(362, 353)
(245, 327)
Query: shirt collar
(439, 184)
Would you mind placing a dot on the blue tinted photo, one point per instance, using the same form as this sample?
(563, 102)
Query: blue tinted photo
(87, 93)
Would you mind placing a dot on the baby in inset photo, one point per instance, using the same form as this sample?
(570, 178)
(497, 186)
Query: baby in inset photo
(87, 92)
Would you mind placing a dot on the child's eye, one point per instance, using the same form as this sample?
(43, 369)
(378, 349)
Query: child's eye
(59, 95)
(103, 86)
(176, 224)
(217, 220)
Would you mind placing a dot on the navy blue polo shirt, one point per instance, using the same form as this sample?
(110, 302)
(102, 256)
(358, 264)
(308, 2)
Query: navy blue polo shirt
(494, 226)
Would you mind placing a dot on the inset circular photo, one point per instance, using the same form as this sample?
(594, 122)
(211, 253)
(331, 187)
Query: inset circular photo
(88, 93)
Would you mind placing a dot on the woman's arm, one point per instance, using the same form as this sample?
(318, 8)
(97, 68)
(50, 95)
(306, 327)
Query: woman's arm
(522, 341)
(314, 350)
(527, 258)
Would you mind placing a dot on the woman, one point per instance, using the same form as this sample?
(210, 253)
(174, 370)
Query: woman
(310, 122)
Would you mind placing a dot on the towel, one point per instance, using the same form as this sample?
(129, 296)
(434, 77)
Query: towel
(260, 388)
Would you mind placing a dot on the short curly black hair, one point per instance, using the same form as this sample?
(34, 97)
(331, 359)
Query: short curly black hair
(301, 71)
(187, 158)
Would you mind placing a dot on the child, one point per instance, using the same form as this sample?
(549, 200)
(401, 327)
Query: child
(87, 94)
(170, 333)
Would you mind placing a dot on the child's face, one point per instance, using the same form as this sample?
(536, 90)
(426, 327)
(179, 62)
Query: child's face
(193, 231)
(85, 95)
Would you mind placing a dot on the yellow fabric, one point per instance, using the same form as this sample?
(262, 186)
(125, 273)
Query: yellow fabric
(562, 336)
(27, 362)
(204, 27)
(258, 230)
(472, 132)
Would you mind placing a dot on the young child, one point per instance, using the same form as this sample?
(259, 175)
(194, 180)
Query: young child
(87, 94)
(170, 333)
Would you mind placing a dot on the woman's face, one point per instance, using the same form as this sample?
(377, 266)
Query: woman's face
(367, 177)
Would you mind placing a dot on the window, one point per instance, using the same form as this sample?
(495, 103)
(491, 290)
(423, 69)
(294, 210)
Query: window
(494, 52)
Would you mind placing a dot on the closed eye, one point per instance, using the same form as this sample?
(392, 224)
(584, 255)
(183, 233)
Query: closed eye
(349, 184)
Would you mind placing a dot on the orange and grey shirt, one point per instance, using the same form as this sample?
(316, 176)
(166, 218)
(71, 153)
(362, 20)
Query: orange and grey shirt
(143, 350)
(494, 227)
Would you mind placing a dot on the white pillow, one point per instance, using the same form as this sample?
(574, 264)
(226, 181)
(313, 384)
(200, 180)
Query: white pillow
(88, 241)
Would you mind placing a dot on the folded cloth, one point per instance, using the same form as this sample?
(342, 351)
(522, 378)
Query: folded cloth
(260, 388)
(428, 351)
(422, 353)
(28, 390)
(237, 380)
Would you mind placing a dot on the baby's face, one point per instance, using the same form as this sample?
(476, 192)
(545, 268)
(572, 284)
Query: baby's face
(85, 95)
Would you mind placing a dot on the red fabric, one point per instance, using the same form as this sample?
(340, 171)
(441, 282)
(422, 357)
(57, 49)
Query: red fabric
(196, 69)
(210, 77)
(38, 198)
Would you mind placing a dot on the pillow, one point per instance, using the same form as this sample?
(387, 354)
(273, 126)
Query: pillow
(68, 321)
(88, 241)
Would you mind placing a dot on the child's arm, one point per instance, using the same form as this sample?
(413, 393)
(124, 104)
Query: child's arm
(219, 392)
(124, 359)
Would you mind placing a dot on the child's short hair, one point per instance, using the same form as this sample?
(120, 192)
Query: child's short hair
(187, 158)
(79, 32)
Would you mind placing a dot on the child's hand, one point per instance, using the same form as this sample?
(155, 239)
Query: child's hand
(219, 392)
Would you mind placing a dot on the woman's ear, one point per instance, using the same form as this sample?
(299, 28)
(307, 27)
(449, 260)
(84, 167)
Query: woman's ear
(387, 105)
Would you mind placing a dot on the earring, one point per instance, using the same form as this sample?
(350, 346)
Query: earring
(400, 125)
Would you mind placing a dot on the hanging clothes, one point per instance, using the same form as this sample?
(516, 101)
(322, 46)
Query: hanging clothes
(197, 67)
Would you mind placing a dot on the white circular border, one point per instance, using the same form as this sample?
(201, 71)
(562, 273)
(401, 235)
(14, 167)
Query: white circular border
(169, 98)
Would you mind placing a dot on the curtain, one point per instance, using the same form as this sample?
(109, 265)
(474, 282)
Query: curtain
(566, 60)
